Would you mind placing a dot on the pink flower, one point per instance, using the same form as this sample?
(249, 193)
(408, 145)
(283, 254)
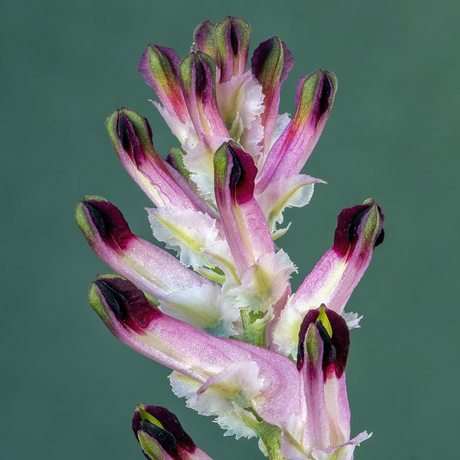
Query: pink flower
(243, 348)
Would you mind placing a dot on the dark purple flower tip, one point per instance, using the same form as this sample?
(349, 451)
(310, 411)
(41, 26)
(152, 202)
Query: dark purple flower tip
(315, 97)
(204, 39)
(271, 63)
(133, 132)
(163, 426)
(198, 75)
(325, 94)
(232, 37)
(335, 335)
(243, 174)
(109, 222)
(359, 222)
(129, 304)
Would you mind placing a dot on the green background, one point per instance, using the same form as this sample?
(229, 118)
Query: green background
(68, 388)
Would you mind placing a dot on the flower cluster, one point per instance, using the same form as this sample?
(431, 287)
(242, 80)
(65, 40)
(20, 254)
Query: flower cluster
(243, 348)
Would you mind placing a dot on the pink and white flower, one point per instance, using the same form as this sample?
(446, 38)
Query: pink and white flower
(264, 361)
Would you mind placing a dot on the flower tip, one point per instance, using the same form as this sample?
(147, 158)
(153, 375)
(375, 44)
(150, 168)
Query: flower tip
(230, 160)
(322, 327)
(204, 40)
(115, 296)
(130, 131)
(197, 73)
(97, 304)
(159, 431)
(84, 215)
(362, 224)
(100, 219)
(316, 93)
(142, 414)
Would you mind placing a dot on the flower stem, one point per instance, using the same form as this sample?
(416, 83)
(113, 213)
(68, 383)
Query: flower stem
(253, 327)
(271, 437)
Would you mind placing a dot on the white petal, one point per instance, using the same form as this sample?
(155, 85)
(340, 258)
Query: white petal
(240, 102)
(263, 284)
(352, 319)
(343, 452)
(281, 122)
(285, 193)
(223, 396)
(203, 307)
(286, 331)
(186, 231)
(185, 132)
(199, 161)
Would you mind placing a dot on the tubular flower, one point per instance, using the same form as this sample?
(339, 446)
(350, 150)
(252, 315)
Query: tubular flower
(243, 348)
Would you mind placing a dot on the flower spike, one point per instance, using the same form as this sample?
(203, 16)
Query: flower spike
(263, 361)
(162, 437)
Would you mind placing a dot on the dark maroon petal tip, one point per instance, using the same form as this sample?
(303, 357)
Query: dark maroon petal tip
(136, 423)
(326, 93)
(263, 59)
(110, 223)
(242, 175)
(348, 222)
(171, 423)
(135, 135)
(381, 237)
(170, 436)
(128, 303)
(335, 348)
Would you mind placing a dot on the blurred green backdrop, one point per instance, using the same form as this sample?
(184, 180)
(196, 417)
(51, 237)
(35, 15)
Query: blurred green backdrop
(68, 387)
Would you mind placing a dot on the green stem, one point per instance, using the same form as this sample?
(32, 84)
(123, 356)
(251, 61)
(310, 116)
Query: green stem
(271, 437)
(253, 330)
